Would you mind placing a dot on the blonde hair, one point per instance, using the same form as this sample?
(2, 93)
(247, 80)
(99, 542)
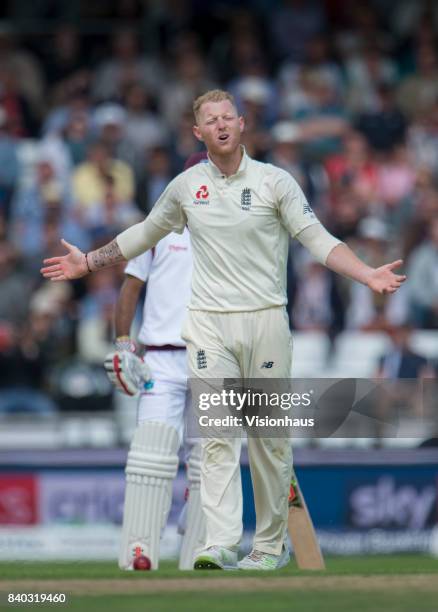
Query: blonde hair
(214, 95)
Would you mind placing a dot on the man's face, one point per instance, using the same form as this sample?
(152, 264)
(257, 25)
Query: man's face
(219, 127)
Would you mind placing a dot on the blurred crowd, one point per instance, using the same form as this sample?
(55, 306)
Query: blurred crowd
(94, 124)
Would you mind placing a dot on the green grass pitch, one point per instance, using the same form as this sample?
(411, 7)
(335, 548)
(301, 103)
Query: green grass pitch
(407, 583)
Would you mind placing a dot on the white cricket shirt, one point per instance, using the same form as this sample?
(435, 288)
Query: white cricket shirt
(167, 268)
(239, 228)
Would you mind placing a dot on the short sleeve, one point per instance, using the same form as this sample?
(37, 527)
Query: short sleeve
(294, 210)
(140, 266)
(167, 212)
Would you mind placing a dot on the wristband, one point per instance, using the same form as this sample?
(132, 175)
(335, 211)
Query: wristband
(125, 343)
(86, 261)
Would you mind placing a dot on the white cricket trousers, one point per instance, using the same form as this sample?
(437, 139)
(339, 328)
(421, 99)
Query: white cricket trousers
(240, 345)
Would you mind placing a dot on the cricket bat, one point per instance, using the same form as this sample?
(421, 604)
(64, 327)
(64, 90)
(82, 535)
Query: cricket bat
(302, 532)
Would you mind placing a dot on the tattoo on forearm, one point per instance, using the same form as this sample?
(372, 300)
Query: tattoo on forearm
(108, 255)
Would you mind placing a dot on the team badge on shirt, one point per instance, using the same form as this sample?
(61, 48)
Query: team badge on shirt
(245, 199)
(201, 197)
(267, 364)
(201, 359)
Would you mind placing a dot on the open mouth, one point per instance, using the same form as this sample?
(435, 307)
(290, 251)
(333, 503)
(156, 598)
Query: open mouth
(224, 137)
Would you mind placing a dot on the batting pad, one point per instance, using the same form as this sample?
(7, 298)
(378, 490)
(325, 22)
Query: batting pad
(150, 469)
(194, 532)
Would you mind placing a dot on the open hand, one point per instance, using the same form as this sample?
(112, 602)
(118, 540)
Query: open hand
(384, 280)
(66, 267)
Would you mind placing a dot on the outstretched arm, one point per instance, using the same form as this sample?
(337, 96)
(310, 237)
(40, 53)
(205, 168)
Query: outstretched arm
(342, 260)
(337, 256)
(302, 224)
(76, 263)
(128, 244)
(166, 216)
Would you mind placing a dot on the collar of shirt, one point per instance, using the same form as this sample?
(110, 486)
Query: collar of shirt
(242, 166)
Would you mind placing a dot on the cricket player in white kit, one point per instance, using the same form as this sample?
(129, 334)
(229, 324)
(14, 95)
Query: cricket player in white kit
(240, 213)
(163, 401)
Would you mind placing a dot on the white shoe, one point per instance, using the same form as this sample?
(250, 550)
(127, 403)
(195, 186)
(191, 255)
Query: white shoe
(257, 560)
(216, 557)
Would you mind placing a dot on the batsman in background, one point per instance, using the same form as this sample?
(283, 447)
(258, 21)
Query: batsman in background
(240, 213)
(162, 381)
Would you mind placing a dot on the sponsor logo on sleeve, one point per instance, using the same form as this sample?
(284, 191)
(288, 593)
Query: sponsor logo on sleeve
(307, 209)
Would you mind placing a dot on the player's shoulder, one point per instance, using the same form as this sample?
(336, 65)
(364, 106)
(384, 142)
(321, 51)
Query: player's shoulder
(279, 173)
(266, 169)
(194, 171)
(273, 175)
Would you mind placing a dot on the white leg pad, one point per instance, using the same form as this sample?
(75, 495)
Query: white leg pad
(150, 469)
(194, 529)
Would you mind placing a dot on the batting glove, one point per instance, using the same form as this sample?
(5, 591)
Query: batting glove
(128, 373)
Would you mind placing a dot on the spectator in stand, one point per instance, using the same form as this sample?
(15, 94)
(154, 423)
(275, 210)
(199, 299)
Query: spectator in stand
(189, 80)
(114, 128)
(422, 286)
(312, 305)
(242, 45)
(126, 66)
(365, 74)
(355, 168)
(65, 57)
(182, 141)
(318, 61)
(253, 83)
(9, 167)
(15, 286)
(31, 351)
(144, 129)
(408, 16)
(77, 136)
(67, 66)
(319, 113)
(418, 212)
(404, 399)
(422, 35)
(345, 211)
(74, 100)
(395, 183)
(254, 95)
(109, 216)
(285, 152)
(385, 125)
(359, 24)
(90, 179)
(20, 114)
(109, 123)
(44, 200)
(422, 140)
(157, 175)
(293, 24)
(418, 93)
(25, 72)
(401, 361)
(95, 328)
